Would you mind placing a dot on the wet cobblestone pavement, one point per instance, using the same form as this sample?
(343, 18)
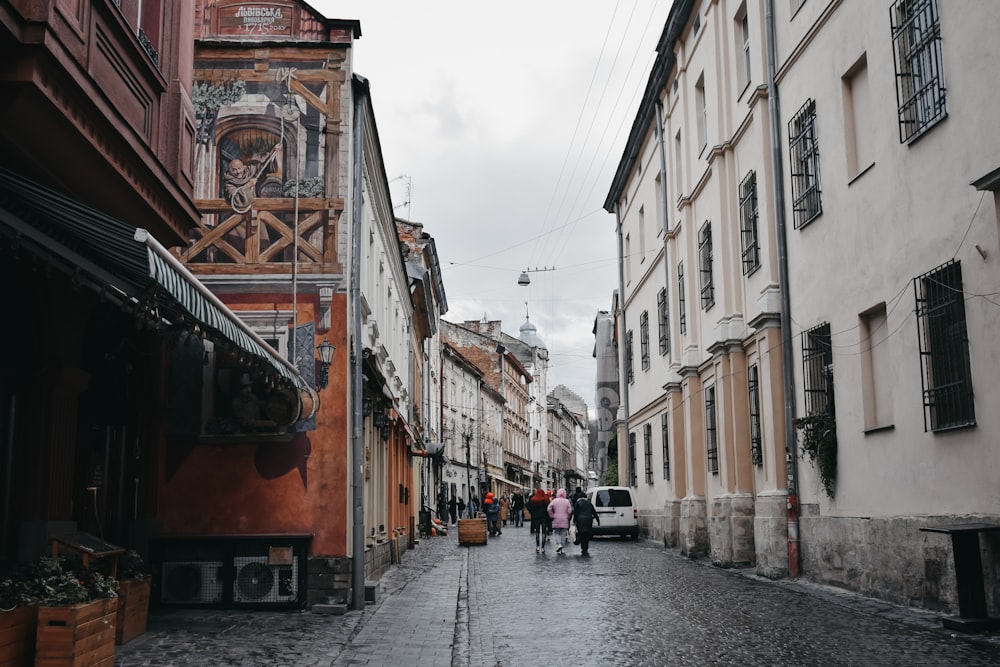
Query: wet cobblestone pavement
(629, 603)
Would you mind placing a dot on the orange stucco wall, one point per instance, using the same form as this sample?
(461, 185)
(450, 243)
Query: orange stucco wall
(300, 486)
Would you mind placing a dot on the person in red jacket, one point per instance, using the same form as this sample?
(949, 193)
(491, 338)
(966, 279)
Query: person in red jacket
(538, 506)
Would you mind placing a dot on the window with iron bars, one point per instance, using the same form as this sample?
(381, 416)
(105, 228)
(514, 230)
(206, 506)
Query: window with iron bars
(711, 431)
(647, 445)
(644, 339)
(748, 223)
(663, 321)
(631, 460)
(817, 370)
(705, 261)
(807, 203)
(664, 433)
(681, 301)
(756, 439)
(916, 44)
(944, 349)
(629, 370)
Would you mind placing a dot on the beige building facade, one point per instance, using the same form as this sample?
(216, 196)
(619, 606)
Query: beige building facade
(847, 147)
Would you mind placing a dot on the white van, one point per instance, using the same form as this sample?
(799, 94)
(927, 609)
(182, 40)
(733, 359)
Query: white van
(616, 510)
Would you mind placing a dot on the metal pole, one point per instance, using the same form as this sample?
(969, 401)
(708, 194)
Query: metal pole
(787, 357)
(624, 346)
(8, 468)
(357, 446)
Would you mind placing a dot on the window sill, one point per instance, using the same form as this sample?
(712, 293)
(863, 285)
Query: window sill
(879, 429)
(860, 174)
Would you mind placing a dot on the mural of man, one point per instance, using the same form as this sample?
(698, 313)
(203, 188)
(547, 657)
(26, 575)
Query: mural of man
(241, 181)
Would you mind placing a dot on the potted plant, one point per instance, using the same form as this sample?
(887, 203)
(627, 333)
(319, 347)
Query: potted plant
(18, 618)
(133, 597)
(76, 614)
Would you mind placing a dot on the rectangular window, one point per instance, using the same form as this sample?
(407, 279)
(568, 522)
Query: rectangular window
(944, 349)
(748, 223)
(629, 370)
(647, 445)
(631, 460)
(644, 339)
(699, 95)
(876, 369)
(806, 194)
(678, 162)
(743, 46)
(664, 421)
(663, 320)
(920, 89)
(711, 431)
(817, 370)
(681, 303)
(859, 132)
(705, 262)
(753, 387)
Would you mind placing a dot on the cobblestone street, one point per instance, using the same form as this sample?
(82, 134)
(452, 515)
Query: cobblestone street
(629, 603)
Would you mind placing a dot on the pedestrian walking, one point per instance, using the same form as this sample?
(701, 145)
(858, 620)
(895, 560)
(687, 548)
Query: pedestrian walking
(584, 516)
(538, 507)
(517, 505)
(461, 507)
(560, 509)
(473, 507)
(577, 495)
(453, 509)
(504, 510)
(492, 510)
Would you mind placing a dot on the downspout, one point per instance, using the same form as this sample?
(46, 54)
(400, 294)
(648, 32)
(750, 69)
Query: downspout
(8, 468)
(666, 202)
(357, 446)
(621, 335)
(787, 358)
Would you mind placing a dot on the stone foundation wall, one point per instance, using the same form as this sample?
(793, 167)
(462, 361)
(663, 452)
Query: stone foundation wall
(770, 531)
(693, 528)
(329, 579)
(891, 559)
(730, 530)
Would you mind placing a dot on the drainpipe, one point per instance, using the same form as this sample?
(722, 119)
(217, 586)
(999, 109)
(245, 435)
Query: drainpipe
(621, 335)
(787, 358)
(8, 468)
(666, 199)
(357, 446)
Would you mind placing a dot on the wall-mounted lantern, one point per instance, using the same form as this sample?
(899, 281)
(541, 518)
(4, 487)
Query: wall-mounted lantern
(326, 350)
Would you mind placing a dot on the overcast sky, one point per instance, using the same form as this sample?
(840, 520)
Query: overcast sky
(502, 124)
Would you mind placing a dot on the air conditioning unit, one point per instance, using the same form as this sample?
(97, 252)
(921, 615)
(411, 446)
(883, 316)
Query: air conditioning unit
(192, 582)
(256, 582)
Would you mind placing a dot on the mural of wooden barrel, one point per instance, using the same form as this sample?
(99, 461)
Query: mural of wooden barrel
(309, 403)
(283, 407)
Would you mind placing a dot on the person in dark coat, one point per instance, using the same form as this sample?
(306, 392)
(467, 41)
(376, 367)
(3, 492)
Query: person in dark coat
(492, 510)
(538, 506)
(584, 516)
(461, 508)
(577, 495)
(453, 509)
(517, 504)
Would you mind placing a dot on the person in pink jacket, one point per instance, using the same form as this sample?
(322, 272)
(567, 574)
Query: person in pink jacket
(560, 509)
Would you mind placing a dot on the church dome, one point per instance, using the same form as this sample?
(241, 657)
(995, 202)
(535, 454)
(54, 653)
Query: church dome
(529, 335)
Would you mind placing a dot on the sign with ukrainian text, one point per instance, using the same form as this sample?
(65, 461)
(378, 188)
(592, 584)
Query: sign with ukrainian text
(255, 19)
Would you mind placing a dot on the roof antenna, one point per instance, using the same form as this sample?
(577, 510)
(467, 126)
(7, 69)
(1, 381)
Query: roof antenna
(526, 311)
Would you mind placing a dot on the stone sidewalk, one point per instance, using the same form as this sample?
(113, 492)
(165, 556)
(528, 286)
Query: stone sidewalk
(412, 622)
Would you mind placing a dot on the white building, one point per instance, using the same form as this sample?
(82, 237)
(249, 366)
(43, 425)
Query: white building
(861, 164)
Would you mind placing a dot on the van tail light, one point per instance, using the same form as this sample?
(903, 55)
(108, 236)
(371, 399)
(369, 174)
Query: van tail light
(635, 513)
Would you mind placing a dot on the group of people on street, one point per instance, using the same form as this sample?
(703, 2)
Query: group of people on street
(551, 518)
(554, 516)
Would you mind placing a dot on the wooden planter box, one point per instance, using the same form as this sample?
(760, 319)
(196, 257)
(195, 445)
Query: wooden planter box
(471, 531)
(83, 634)
(133, 609)
(17, 636)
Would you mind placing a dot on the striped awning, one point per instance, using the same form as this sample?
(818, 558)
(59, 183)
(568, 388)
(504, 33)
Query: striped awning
(122, 260)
